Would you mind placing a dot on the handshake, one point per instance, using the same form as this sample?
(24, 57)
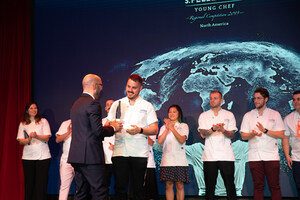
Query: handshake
(117, 125)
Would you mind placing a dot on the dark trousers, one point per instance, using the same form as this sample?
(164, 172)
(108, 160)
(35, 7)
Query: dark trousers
(270, 169)
(90, 177)
(150, 185)
(108, 175)
(125, 167)
(36, 178)
(296, 175)
(210, 177)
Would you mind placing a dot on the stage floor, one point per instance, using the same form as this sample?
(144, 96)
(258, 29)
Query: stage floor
(55, 197)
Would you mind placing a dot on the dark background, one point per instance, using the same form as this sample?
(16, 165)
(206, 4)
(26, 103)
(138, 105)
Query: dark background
(108, 37)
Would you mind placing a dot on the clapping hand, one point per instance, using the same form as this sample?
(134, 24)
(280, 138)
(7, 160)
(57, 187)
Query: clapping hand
(169, 124)
(111, 147)
(260, 127)
(33, 135)
(255, 133)
(219, 127)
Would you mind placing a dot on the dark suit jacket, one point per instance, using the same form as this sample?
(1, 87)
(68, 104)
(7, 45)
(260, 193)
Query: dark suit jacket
(87, 132)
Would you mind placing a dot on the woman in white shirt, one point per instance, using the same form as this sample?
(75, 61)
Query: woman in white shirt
(34, 133)
(174, 165)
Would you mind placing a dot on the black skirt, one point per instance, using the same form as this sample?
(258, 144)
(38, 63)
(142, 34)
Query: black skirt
(175, 174)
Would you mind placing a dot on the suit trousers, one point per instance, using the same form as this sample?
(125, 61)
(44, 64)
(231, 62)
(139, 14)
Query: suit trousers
(211, 169)
(125, 167)
(66, 177)
(90, 176)
(270, 169)
(36, 178)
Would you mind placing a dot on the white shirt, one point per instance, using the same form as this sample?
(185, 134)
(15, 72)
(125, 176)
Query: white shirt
(89, 94)
(141, 114)
(173, 151)
(37, 150)
(290, 124)
(106, 144)
(265, 147)
(66, 145)
(151, 161)
(217, 145)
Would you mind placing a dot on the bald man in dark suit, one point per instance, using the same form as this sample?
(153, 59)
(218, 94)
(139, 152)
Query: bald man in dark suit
(86, 151)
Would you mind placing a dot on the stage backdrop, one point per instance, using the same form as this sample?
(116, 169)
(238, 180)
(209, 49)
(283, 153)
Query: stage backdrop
(183, 49)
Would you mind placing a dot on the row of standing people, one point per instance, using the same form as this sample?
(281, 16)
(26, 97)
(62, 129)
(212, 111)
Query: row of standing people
(261, 126)
(67, 172)
(179, 175)
(86, 152)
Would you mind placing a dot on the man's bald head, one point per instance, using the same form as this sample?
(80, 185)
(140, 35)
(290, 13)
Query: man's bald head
(92, 84)
(89, 79)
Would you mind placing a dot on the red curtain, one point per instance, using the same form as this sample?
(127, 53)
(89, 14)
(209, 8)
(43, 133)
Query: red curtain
(15, 88)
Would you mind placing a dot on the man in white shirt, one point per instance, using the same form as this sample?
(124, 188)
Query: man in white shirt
(292, 130)
(217, 126)
(108, 147)
(131, 143)
(262, 127)
(64, 134)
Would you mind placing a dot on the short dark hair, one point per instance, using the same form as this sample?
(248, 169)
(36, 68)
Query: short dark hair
(216, 91)
(136, 78)
(180, 115)
(263, 91)
(296, 92)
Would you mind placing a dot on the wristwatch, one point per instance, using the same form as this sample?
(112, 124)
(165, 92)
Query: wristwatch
(266, 131)
(142, 130)
(213, 129)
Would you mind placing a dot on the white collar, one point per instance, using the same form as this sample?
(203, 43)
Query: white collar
(137, 100)
(89, 94)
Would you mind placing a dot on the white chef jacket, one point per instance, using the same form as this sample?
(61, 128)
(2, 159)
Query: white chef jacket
(151, 161)
(37, 150)
(265, 147)
(106, 144)
(66, 145)
(173, 151)
(290, 124)
(217, 146)
(141, 114)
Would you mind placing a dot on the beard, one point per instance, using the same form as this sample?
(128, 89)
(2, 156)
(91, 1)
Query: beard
(131, 95)
(215, 106)
(97, 93)
(259, 106)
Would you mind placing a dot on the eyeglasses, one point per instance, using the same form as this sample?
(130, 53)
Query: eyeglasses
(257, 98)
